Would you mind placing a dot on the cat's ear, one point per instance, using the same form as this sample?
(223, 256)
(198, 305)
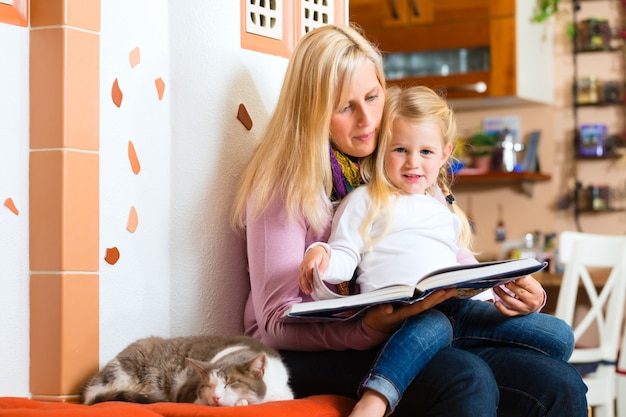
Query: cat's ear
(199, 367)
(257, 365)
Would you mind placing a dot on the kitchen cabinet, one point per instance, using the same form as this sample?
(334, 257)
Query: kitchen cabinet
(377, 14)
(484, 52)
(598, 106)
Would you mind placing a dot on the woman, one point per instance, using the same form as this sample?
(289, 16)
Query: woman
(327, 117)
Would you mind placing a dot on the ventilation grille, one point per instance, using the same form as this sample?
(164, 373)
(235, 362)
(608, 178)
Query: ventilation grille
(265, 18)
(316, 13)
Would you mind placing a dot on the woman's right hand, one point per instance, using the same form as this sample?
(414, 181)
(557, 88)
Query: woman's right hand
(387, 318)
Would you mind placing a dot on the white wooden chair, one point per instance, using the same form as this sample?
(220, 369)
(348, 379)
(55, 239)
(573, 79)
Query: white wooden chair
(621, 378)
(578, 252)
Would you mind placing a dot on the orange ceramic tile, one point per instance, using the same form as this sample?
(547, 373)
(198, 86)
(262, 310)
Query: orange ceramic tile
(47, 13)
(64, 196)
(64, 323)
(160, 86)
(133, 220)
(81, 212)
(132, 157)
(112, 255)
(244, 117)
(45, 210)
(15, 13)
(84, 14)
(64, 211)
(134, 57)
(47, 57)
(79, 331)
(10, 204)
(82, 93)
(116, 93)
(45, 334)
(64, 80)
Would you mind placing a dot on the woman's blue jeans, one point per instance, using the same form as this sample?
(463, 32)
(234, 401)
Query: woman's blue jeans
(477, 327)
(486, 382)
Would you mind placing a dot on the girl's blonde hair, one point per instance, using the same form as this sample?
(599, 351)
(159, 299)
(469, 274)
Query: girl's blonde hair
(292, 159)
(415, 105)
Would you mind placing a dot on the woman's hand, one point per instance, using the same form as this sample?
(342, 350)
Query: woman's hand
(521, 296)
(316, 255)
(387, 318)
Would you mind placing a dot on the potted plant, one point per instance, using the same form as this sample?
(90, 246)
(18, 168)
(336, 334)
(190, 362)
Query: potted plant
(482, 147)
(545, 9)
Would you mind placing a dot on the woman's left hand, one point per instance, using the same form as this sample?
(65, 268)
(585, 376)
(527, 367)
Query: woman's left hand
(521, 296)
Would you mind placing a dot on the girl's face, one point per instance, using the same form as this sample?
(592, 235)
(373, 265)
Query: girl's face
(415, 154)
(354, 127)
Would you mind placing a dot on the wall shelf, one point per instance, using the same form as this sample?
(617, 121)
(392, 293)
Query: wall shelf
(599, 158)
(599, 89)
(607, 210)
(599, 104)
(526, 180)
(500, 177)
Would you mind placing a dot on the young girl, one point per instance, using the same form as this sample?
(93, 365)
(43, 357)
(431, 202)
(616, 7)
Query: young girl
(396, 228)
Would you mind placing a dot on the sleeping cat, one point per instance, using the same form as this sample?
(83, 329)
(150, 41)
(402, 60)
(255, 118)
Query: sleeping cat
(209, 370)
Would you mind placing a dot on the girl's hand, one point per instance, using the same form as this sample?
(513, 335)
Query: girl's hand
(387, 318)
(519, 297)
(317, 255)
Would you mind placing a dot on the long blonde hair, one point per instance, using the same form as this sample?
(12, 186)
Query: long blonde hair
(292, 158)
(416, 105)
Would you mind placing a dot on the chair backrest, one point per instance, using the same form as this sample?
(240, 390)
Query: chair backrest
(579, 252)
(621, 378)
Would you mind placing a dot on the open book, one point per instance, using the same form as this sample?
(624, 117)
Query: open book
(469, 280)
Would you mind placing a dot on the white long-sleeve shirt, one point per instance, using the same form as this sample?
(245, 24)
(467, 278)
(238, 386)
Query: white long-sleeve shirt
(422, 236)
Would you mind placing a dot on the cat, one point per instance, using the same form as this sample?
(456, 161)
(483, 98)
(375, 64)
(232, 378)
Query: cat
(208, 370)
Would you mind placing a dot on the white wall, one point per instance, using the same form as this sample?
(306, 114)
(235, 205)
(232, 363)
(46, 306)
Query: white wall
(183, 271)
(14, 275)
(134, 292)
(211, 76)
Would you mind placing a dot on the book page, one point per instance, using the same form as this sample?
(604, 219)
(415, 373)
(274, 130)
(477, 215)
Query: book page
(320, 289)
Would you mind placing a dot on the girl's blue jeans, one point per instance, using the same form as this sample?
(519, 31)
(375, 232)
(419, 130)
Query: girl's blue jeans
(407, 352)
(477, 327)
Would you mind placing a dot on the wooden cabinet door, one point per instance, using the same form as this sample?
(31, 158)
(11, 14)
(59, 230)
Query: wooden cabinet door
(379, 14)
(455, 10)
(496, 34)
(420, 11)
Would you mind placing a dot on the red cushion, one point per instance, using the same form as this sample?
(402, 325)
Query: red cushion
(314, 406)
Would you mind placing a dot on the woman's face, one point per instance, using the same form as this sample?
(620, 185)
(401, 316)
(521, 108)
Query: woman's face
(354, 127)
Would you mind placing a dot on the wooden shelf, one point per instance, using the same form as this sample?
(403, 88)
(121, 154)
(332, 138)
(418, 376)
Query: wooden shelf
(598, 158)
(606, 210)
(600, 104)
(500, 177)
(594, 50)
(524, 179)
(599, 276)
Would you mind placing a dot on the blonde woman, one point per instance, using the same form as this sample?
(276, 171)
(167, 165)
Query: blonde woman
(326, 119)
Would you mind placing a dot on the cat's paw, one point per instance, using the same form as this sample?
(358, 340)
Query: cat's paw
(241, 402)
